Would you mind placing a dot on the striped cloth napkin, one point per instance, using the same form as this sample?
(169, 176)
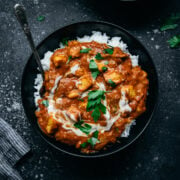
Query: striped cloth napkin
(12, 148)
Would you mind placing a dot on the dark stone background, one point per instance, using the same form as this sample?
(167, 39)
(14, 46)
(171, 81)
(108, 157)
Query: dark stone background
(155, 155)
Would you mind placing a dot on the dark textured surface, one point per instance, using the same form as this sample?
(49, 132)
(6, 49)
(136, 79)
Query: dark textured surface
(155, 155)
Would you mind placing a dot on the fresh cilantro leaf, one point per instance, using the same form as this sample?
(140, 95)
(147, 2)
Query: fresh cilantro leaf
(98, 56)
(168, 26)
(102, 108)
(170, 22)
(109, 51)
(95, 74)
(112, 83)
(94, 139)
(174, 41)
(69, 58)
(95, 134)
(87, 126)
(41, 18)
(79, 123)
(106, 62)
(84, 144)
(85, 50)
(94, 103)
(96, 114)
(45, 103)
(104, 68)
(95, 94)
(85, 129)
(65, 41)
(94, 68)
(93, 65)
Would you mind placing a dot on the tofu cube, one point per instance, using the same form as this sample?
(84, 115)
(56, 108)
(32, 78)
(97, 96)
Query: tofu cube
(73, 94)
(59, 59)
(51, 125)
(84, 82)
(74, 51)
(129, 90)
(115, 76)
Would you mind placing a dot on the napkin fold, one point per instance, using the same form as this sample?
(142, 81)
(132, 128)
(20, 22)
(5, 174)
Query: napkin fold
(12, 149)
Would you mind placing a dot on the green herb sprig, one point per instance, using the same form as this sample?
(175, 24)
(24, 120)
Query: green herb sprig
(112, 83)
(109, 51)
(174, 41)
(92, 141)
(170, 22)
(94, 103)
(85, 50)
(45, 103)
(41, 18)
(94, 68)
(104, 69)
(69, 58)
(98, 56)
(84, 127)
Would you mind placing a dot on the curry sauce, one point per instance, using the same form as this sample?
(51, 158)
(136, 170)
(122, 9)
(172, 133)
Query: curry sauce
(92, 93)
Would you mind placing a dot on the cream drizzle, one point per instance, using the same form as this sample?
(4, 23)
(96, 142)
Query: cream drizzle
(68, 122)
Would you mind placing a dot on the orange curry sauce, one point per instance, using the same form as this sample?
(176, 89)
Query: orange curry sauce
(68, 96)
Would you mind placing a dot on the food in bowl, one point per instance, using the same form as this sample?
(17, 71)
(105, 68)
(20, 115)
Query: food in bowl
(94, 91)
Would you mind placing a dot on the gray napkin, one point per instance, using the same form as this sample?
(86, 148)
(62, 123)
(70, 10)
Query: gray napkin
(12, 148)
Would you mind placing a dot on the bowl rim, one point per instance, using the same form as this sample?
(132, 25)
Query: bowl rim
(89, 156)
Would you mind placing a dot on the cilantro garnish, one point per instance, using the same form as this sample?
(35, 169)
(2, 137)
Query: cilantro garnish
(85, 128)
(104, 68)
(84, 144)
(98, 56)
(170, 23)
(109, 51)
(168, 26)
(94, 69)
(45, 103)
(85, 50)
(96, 94)
(174, 41)
(112, 83)
(41, 18)
(69, 58)
(65, 41)
(106, 62)
(94, 104)
(96, 113)
(92, 141)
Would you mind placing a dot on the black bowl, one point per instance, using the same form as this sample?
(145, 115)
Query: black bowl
(80, 29)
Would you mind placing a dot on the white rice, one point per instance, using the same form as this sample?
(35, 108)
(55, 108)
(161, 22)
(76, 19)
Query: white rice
(100, 38)
(46, 60)
(37, 85)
